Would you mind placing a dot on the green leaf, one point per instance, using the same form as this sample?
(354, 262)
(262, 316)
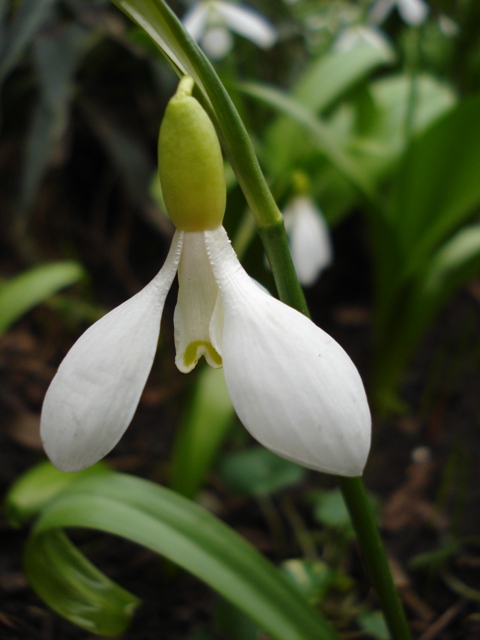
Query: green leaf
(435, 193)
(28, 20)
(329, 77)
(313, 578)
(437, 188)
(234, 624)
(258, 471)
(373, 623)
(71, 585)
(170, 525)
(331, 510)
(435, 559)
(22, 293)
(377, 138)
(323, 139)
(453, 264)
(203, 428)
(57, 58)
(35, 488)
(457, 261)
(325, 80)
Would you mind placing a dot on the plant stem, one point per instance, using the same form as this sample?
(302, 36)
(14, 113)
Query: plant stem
(276, 245)
(374, 556)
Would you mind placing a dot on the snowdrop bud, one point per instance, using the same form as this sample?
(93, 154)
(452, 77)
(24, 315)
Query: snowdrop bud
(190, 163)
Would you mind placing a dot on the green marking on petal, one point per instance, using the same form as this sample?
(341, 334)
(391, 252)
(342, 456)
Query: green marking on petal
(199, 348)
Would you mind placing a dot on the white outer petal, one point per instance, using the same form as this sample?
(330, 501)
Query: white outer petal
(248, 23)
(310, 241)
(293, 387)
(97, 388)
(195, 20)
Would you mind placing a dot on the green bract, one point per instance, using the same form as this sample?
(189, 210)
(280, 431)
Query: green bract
(190, 164)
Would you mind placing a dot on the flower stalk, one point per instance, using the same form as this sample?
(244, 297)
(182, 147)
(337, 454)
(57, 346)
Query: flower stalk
(374, 556)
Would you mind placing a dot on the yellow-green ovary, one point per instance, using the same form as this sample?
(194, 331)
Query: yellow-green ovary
(191, 164)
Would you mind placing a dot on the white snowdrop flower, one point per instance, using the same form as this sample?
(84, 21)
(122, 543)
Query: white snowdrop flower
(361, 35)
(293, 387)
(310, 241)
(210, 22)
(412, 12)
(448, 26)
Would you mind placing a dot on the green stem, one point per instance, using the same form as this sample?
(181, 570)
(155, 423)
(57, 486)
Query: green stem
(276, 245)
(374, 556)
(414, 86)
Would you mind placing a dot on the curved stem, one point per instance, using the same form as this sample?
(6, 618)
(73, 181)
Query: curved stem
(275, 241)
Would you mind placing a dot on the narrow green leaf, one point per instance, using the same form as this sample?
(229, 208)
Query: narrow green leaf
(329, 77)
(35, 488)
(437, 188)
(377, 133)
(57, 58)
(325, 80)
(373, 623)
(184, 533)
(22, 293)
(452, 265)
(234, 624)
(28, 20)
(324, 141)
(73, 587)
(202, 431)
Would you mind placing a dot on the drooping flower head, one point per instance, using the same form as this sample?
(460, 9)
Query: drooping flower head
(210, 22)
(308, 233)
(412, 12)
(293, 387)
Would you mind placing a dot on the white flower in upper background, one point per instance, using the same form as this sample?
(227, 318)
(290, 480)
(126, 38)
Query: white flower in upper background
(309, 237)
(413, 12)
(293, 387)
(361, 35)
(210, 22)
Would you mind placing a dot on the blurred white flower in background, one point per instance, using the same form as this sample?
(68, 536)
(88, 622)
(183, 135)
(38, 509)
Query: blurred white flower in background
(412, 12)
(309, 237)
(210, 23)
(361, 35)
(447, 26)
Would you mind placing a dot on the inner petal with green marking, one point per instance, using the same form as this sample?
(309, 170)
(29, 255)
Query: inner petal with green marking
(197, 309)
(199, 348)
